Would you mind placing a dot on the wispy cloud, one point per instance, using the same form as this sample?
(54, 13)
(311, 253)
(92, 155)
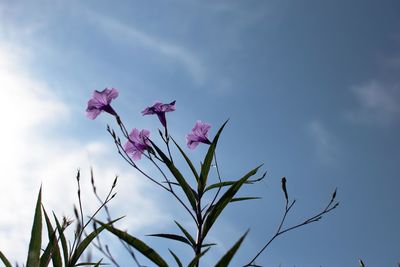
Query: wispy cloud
(28, 158)
(377, 102)
(325, 144)
(121, 32)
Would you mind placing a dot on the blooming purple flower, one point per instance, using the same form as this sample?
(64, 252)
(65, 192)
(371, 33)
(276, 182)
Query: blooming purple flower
(199, 134)
(100, 101)
(138, 142)
(159, 109)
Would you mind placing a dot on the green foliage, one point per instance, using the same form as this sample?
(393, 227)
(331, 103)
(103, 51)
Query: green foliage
(137, 244)
(36, 235)
(205, 167)
(224, 201)
(224, 261)
(5, 260)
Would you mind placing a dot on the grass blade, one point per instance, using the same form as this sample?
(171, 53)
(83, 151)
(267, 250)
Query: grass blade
(63, 240)
(176, 258)
(139, 245)
(186, 233)
(173, 237)
(33, 259)
(86, 242)
(224, 261)
(5, 260)
(237, 199)
(52, 248)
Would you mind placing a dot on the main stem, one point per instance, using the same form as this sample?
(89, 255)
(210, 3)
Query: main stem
(199, 238)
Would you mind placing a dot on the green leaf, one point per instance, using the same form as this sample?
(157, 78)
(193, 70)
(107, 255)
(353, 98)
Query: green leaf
(137, 244)
(228, 183)
(224, 201)
(186, 233)
(224, 261)
(91, 263)
(243, 198)
(197, 258)
(178, 176)
(63, 240)
(86, 242)
(5, 260)
(173, 237)
(33, 259)
(52, 249)
(196, 175)
(208, 245)
(176, 258)
(205, 167)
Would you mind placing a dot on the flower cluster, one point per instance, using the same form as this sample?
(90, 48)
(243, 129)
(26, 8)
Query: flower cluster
(138, 140)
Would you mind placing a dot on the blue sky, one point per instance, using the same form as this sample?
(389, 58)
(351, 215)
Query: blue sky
(311, 88)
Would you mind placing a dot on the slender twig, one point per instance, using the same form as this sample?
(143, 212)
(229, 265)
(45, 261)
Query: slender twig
(331, 206)
(99, 246)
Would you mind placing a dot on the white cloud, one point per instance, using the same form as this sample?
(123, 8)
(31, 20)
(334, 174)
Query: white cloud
(117, 30)
(378, 102)
(325, 144)
(28, 158)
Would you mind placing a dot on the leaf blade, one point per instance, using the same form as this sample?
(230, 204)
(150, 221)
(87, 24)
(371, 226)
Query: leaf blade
(3, 258)
(224, 201)
(86, 242)
(186, 233)
(205, 167)
(178, 261)
(36, 235)
(172, 237)
(224, 261)
(53, 248)
(139, 245)
(188, 161)
(178, 176)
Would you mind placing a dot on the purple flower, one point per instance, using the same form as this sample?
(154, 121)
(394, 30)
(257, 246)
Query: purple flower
(138, 142)
(100, 101)
(159, 109)
(198, 135)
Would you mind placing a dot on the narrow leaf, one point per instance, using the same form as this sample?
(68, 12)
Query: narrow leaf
(178, 176)
(197, 258)
(173, 237)
(196, 175)
(53, 248)
(224, 261)
(224, 201)
(36, 235)
(5, 260)
(86, 242)
(205, 167)
(137, 244)
(91, 263)
(208, 245)
(63, 240)
(176, 258)
(228, 183)
(186, 233)
(236, 199)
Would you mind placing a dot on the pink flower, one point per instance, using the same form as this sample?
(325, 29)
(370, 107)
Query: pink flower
(199, 134)
(159, 109)
(138, 142)
(100, 101)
